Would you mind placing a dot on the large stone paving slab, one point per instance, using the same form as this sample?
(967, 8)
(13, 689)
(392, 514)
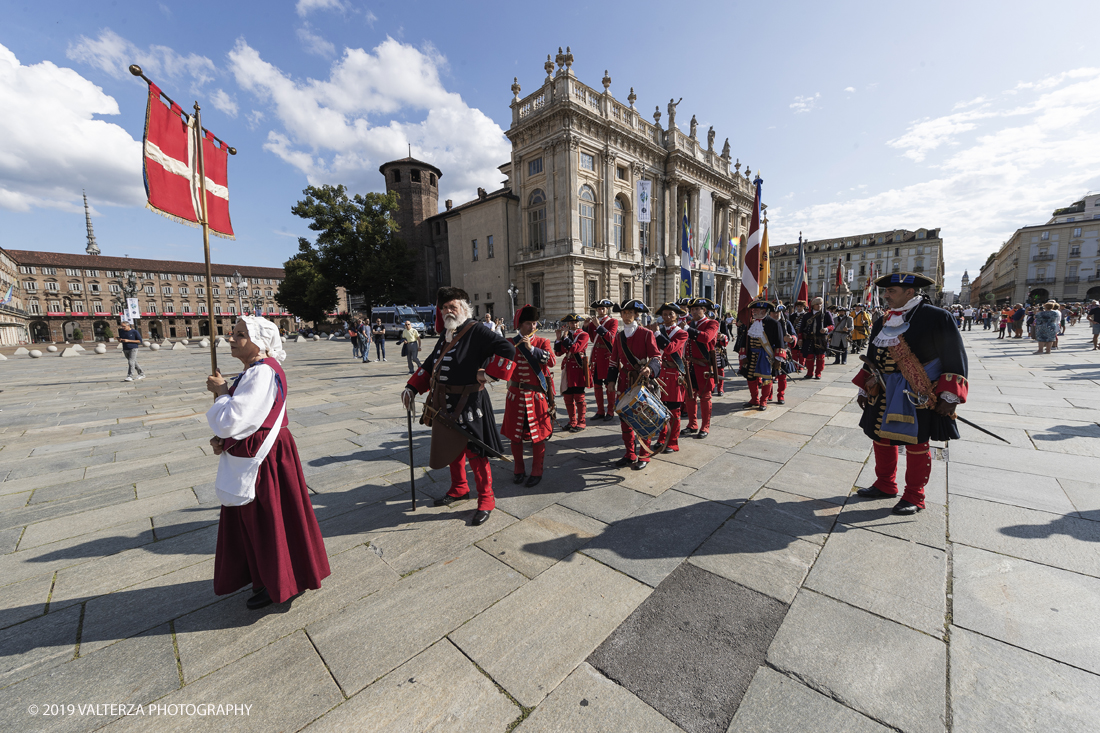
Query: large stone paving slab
(797, 516)
(439, 689)
(729, 478)
(649, 544)
(1032, 606)
(772, 563)
(775, 703)
(399, 622)
(818, 477)
(882, 669)
(928, 527)
(998, 687)
(1009, 487)
(894, 578)
(569, 608)
(606, 503)
(556, 531)
(588, 701)
(691, 649)
(47, 641)
(771, 445)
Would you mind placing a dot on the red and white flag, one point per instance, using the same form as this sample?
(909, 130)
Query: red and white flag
(870, 297)
(171, 164)
(750, 284)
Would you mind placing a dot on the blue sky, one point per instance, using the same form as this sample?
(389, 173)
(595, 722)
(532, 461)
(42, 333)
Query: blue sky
(976, 117)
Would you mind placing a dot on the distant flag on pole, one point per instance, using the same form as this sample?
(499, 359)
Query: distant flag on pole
(750, 285)
(7, 296)
(839, 275)
(870, 296)
(685, 256)
(765, 263)
(171, 167)
(801, 289)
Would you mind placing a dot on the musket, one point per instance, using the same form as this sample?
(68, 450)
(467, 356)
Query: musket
(447, 422)
(921, 400)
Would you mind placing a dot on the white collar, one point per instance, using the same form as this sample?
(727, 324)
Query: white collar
(630, 328)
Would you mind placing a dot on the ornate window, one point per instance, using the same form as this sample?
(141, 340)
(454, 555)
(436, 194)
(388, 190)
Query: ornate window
(588, 161)
(588, 217)
(618, 228)
(536, 219)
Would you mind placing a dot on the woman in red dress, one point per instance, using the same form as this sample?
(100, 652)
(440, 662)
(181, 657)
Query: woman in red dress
(268, 534)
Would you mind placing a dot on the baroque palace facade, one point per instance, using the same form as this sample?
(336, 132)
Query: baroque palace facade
(63, 293)
(890, 251)
(562, 230)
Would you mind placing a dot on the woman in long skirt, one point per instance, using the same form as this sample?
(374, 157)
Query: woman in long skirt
(268, 535)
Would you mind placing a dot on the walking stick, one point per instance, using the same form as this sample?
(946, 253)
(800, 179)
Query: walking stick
(412, 470)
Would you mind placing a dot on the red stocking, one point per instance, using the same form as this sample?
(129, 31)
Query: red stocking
(581, 408)
(886, 468)
(571, 408)
(628, 441)
(599, 398)
(674, 429)
(610, 400)
(781, 389)
(517, 457)
(538, 453)
(707, 406)
(483, 477)
(918, 467)
(765, 392)
(689, 406)
(459, 485)
(754, 391)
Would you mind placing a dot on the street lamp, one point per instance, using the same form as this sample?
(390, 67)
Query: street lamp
(513, 291)
(237, 282)
(641, 271)
(257, 304)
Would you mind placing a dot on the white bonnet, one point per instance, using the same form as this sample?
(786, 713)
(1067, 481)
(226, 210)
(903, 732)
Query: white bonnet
(265, 334)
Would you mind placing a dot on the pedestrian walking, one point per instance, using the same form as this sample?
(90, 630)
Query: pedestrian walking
(1094, 320)
(838, 339)
(1046, 326)
(267, 534)
(353, 336)
(364, 341)
(378, 333)
(130, 338)
(410, 339)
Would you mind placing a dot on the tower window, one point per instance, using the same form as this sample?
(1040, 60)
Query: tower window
(414, 175)
(431, 178)
(397, 176)
(489, 245)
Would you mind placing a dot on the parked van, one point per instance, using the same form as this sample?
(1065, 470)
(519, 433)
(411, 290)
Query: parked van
(427, 317)
(393, 317)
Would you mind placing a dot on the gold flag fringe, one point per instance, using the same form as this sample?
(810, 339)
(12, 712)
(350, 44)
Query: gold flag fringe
(186, 222)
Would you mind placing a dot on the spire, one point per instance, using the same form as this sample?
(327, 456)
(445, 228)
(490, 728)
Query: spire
(92, 248)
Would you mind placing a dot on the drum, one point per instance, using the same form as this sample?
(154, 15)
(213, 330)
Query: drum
(643, 412)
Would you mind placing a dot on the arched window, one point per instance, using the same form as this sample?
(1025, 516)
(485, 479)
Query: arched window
(588, 217)
(536, 219)
(620, 217)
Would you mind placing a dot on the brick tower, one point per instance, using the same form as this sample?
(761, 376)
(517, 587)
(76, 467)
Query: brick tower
(417, 186)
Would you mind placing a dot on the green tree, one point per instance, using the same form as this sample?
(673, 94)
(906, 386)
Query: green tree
(304, 291)
(357, 246)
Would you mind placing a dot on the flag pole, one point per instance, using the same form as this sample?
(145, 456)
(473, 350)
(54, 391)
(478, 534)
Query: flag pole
(206, 243)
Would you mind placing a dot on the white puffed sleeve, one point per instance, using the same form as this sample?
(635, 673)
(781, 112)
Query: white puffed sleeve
(241, 414)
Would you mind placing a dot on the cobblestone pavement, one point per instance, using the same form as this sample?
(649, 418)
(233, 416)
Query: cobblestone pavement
(736, 585)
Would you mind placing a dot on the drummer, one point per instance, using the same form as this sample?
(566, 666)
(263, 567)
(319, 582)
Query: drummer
(601, 331)
(671, 339)
(572, 345)
(635, 359)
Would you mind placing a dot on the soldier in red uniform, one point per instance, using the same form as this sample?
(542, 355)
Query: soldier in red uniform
(601, 331)
(636, 358)
(529, 407)
(671, 339)
(790, 338)
(700, 355)
(572, 346)
(455, 374)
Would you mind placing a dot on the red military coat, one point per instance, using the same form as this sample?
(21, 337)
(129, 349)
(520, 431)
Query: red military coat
(643, 345)
(527, 414)
(571, 346)
(603, 346)
(671, 342)
(702, 340)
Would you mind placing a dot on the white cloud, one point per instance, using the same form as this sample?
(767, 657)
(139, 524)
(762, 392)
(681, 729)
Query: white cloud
(370, 108)
(305, 7)
(849, 89)
(255, 117)
(314, 43)
(805, 104)
(370, 18)
(1007, 164)
(222, 101)
(54, 146)
(113, 54)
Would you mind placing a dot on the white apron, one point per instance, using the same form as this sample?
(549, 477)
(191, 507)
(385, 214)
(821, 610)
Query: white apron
(236, 481)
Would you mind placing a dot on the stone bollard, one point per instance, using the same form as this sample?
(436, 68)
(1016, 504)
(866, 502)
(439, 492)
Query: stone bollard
(52, 349)
(154, 347)
(100, 349)
(21, 351)
(34, 354)
(69, 352)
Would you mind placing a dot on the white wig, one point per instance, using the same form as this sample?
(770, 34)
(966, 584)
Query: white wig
(265, 334)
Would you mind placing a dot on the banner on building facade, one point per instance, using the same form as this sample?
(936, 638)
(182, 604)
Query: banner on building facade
(133, 311)
(645, 195)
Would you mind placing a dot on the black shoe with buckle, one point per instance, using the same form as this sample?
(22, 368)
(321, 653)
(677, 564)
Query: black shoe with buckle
(447, 499)
(689, 431)
(905, 508)
(624, 462)
(640, 465)
(533, 481)
(658, 449)
(599, 416)
(874, 492)
(608, 418)
(780, 401)
(519, 478)
(481, 516)
(702, 434)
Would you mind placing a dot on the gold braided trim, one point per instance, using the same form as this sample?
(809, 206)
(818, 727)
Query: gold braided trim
(896, 436)
(911, 368)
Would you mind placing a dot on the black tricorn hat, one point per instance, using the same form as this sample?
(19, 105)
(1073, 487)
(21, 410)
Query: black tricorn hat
(762, 304)
(633, 304)
(446, 295)
(671, 307)
(706, 303)
(602, 303)
(904, 279)
(572, 318)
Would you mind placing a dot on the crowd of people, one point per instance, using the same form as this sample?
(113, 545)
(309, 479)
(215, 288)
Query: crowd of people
(1042, 323)
(652, 376)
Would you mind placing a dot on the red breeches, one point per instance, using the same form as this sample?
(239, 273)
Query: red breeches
(706, 405)
(538, 454)
(670, 433)
(483, 479)
(599, 390)
(576, 407)
(628, 441)
(815, 364)
(781, 385)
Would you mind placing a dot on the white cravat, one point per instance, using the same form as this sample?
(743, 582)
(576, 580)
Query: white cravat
(756, 330)
(630, 328)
